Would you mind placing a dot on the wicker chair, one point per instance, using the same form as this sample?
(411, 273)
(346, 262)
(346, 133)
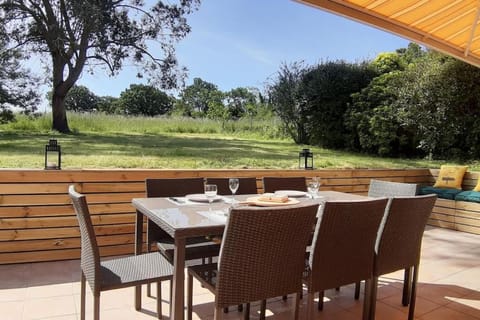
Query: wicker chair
(197, 248)
(343, 247)
(399, 244)
(245, 186)
(262, 256)
(272, 184)
(114, 273)
(380, 188)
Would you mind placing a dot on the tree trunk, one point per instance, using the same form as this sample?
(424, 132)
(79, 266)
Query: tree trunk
(59, 114)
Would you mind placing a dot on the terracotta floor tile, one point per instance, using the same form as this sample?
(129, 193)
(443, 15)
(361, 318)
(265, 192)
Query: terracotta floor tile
(447, 314)
(449, 288)
(469, 304)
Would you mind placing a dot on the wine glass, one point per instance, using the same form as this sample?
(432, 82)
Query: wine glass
(233, 184)
(313, 186)
(210, 193)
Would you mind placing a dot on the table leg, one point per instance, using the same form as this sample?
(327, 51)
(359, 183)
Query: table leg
(178, 297)
(138, 250)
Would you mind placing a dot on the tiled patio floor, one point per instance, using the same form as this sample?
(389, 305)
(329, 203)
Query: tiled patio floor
(449, 288)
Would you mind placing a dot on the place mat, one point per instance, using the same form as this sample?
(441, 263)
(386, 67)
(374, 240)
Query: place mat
(256, 202)
(219, 216)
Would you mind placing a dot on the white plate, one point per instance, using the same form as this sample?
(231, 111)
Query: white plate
(291, 193)
(200, 197)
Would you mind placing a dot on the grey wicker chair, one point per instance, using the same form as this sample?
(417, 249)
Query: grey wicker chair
(399, 244)
(113, 273)
(262, 256)
(272, 184)
(197, 248)
(380, 188)
(343, 247)
(245, 186)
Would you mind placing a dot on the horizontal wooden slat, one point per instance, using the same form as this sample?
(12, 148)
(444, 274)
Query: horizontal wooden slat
(49, 222)
(63, 243)
(37, 222)
(52, 233)
(62, 210)
(442, 224)
(67, 254)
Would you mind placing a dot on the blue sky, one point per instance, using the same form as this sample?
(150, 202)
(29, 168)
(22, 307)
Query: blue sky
(242, 43)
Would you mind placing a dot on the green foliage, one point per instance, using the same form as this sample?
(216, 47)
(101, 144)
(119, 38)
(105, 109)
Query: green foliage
(144, 100)
(239, 101)
(286, 97)
(81, 99)
(79, 33)
(17, 86)
(196, 98)
(113, 141)
(327, 90)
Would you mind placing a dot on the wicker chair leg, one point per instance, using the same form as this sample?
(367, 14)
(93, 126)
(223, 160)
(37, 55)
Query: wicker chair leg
(218, 314)
(297, 305)
(225, 310)
(96, 306)
(82, 296)
(263, 309)
(413, 294)
(373, 298)
(366, 298)
(357, 290)
(240, 308)
(337, 289)
(321, 294)
(284, 298)
(246, 312)
(159, 300)
(407, 283)
(189, 297)
(310, 306)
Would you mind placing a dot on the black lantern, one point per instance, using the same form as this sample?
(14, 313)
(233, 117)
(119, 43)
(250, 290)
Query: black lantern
(53, 155)
(305, 159)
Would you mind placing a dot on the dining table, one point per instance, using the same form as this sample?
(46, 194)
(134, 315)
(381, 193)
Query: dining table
(182, 218)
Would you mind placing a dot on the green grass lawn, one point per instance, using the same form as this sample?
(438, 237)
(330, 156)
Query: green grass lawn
(132, 144)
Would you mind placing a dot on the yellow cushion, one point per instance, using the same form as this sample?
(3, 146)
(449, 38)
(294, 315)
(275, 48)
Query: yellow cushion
(450, 177)
(477, 187)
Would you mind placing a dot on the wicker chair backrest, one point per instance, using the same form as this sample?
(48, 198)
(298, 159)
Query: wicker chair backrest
(173, 187)
(263, 253)
(272, 184)
(245, 186)
(379, 188)
(400, 242)
(90, 257)
(343, 243)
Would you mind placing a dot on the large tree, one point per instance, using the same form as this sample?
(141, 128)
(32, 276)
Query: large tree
(17, 86)
(79, 33)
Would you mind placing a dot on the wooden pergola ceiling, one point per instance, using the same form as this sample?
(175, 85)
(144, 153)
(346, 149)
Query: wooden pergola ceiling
(449, 26)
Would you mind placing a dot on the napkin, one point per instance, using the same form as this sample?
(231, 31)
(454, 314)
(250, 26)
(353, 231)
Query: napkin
(270, 197)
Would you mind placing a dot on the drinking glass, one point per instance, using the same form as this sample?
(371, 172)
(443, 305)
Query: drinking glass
(233, 184)
(210, 193)
(313, 186)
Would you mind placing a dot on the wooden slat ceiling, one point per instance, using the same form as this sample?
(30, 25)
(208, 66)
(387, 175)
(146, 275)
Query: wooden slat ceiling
(449, 26)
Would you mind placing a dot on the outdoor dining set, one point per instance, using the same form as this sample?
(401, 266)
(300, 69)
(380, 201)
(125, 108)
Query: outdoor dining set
(246, 247)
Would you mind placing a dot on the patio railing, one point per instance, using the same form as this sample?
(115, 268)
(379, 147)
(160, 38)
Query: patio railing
(37, 222)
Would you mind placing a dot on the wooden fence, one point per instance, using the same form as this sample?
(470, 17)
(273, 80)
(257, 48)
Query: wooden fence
(37, 222)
